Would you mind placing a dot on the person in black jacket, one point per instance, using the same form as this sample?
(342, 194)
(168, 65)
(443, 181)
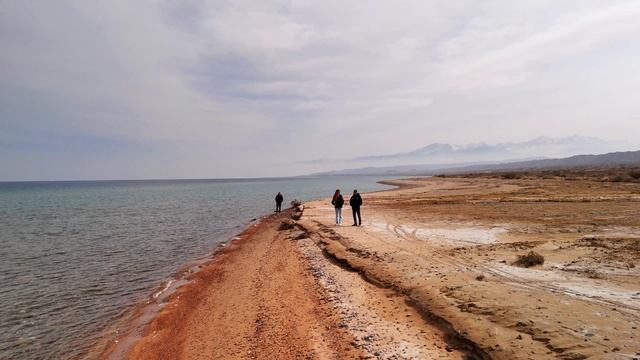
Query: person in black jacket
(356, 202)
(279, 200)
(337, 202)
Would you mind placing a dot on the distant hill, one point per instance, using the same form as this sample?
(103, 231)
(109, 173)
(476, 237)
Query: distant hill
(541, 147)
(411, 169)
(610, 159)
(441, 155)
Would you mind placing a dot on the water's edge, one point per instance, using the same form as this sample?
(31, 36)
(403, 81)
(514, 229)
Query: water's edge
(116, 341)
(118, 337)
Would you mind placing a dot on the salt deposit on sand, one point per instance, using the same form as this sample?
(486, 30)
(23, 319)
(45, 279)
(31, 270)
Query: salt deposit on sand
(443, 236)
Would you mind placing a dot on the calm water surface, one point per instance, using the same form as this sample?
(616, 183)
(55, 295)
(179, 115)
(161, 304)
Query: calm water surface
(75, 256)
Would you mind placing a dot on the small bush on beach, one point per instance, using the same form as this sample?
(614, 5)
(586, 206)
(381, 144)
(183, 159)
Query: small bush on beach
(529, 260)
(511, 176)
(635, 174)
(295, 203)
(301, 235)
(619, 178)
(286, 225)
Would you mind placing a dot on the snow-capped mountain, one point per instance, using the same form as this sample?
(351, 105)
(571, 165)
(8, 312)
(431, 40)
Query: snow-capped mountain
(541, 147)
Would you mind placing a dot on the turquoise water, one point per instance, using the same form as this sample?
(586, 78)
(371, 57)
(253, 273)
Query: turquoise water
(75, 256)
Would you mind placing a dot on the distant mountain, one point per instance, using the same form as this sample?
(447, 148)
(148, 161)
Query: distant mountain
(540, 147)
(441, 155)
(411, 169)
(609, 159)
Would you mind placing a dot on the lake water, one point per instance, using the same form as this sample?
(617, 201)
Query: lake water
(76, 256)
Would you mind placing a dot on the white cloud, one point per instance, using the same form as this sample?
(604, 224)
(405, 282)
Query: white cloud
(230, 87)
(512, 62)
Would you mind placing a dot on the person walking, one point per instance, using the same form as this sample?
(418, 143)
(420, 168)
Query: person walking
(356, 202)
(337, 202)
(279, 200)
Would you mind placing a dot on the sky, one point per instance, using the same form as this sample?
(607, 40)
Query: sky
(208, 89)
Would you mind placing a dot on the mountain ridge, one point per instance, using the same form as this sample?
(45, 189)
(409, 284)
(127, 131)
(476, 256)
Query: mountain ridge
(617, 158)
(541, 146)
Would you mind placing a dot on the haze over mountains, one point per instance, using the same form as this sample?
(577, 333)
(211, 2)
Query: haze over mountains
(444, 156)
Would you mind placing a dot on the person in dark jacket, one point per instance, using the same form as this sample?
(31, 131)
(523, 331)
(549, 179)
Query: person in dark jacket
(338, 202)
(356, 202)
(279, 200)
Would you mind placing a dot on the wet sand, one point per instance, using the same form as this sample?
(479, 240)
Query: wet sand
(430, 274)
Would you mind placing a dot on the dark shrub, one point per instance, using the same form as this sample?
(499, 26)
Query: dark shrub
(295, 203)
(510, 176)
(286, 225)
(302, 235)
(635, 174)
(529, 260)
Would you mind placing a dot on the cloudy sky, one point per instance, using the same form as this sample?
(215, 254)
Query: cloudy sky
(200, 89)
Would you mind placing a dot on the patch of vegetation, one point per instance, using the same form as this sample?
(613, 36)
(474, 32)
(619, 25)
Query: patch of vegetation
(530, 259)
(592, 241)
(593, 274)
(296, 203)
(286, 225)
(302, 235)
(635, 174)
(617, 178)
(511, 176)
(603, 173)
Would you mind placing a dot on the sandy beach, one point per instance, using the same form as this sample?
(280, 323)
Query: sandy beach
(431, 274)
(148, 148)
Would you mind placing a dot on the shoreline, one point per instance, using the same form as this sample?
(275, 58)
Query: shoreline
(168, 332)
(118, 339)
(430, 274)
(329, 315)
(139, 324)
